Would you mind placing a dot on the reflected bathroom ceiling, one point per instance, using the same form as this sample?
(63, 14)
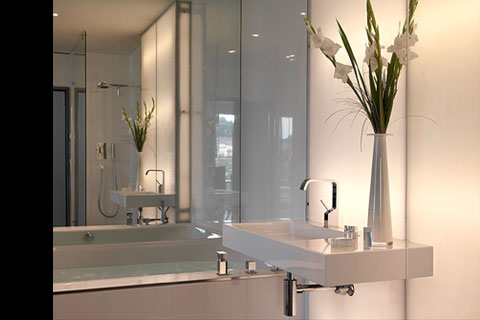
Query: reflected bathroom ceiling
(111, 25)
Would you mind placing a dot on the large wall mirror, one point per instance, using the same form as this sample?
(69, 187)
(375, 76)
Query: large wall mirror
(227, 140)
(109, 55)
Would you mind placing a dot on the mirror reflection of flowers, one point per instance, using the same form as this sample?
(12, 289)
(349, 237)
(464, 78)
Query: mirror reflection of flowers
(139, 127)
(376, 92)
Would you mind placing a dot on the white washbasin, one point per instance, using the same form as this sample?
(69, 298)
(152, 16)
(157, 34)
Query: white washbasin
(136, 199)
(305, 249)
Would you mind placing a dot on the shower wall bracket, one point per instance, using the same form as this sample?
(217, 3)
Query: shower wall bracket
(291, 289)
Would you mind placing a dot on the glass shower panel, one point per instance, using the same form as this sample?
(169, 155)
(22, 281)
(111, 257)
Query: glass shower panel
(215, 112)
(274, 110)
(69, 73)
(78, 148)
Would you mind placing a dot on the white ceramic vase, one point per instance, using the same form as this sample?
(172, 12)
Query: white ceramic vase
(379, 215)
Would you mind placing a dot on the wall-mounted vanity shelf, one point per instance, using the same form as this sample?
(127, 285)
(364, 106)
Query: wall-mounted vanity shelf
(305, 249)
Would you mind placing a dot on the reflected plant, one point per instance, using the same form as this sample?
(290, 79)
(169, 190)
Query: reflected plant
(139, 127)
(375, 91)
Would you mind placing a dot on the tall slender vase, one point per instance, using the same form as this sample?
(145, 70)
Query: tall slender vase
(137, 182)
(379, 215)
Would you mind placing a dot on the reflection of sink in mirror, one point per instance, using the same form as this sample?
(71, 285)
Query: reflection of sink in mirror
(142, 199)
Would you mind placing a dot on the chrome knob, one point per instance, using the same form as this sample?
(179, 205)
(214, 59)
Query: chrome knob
(222, 263)
(251, 266)
(346, 289)
(129, 218)
(350, 231)
(88, 236)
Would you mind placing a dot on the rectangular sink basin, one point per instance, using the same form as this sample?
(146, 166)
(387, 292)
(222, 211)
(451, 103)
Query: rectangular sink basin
(305, 249)
(143, 199)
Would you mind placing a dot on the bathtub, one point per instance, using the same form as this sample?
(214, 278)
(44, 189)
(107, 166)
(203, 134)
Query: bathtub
(119, 256)
(70, 236)
(158, 272)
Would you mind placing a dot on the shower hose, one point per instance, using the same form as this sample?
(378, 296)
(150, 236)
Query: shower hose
(101, 191)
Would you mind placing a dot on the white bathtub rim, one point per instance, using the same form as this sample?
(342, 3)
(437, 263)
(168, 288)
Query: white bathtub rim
(88, 246)
(162, 279)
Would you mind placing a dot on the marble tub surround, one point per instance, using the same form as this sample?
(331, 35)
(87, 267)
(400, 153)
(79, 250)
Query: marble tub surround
(305, 249)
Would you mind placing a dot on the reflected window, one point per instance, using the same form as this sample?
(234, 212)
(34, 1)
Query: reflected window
(224, 151)
(286, 154)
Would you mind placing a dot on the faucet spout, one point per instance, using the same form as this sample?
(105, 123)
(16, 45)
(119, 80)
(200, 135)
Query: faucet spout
(304, 187)
(161, 186)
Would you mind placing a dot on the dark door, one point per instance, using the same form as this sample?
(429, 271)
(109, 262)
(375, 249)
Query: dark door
(61, 157)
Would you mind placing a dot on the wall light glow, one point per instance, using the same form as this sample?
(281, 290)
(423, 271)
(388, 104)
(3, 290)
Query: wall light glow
(55, 14)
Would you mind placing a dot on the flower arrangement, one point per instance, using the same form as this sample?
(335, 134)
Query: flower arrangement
(138, 127)
(375, 94)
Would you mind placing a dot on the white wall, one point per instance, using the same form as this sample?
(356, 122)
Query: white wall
(443, 199)
(337, 154)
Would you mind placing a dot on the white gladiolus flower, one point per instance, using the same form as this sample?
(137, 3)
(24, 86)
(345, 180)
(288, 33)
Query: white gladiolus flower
(326, 45)
(317, 38)
(329, 47)
(401, 46)
(342, 71)
(405, 55)
(370, 58)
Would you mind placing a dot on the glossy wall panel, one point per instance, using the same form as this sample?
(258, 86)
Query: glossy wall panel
(443, 191)
(215, 112)
(273, 110)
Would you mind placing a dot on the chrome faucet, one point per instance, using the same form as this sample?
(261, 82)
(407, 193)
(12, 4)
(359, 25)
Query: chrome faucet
(304, 187)
(161, 189)
(161, 186)
(148, 220)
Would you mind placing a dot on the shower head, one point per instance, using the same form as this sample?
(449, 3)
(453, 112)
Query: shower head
(103, 85)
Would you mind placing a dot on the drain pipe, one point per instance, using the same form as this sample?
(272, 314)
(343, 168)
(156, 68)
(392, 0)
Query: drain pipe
(291, 288)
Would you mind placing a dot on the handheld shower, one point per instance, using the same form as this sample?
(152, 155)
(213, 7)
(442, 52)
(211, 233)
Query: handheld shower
(102, 168)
